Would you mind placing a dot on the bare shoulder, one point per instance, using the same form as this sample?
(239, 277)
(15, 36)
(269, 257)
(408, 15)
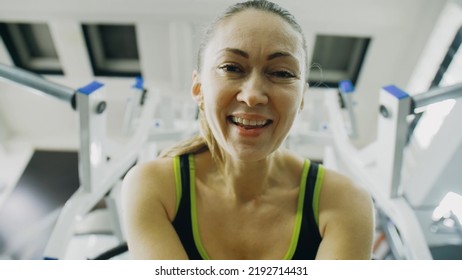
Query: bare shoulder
(147, 171)
(148, 208)
(346, 218)
(151, 181)
(339, 187)
(340, 196)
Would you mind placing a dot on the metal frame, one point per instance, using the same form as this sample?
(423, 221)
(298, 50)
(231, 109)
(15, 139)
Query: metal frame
(378, 166)
(100, 169)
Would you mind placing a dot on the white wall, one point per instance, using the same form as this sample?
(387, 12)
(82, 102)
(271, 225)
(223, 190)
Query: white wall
(169, 32)
(168, 37)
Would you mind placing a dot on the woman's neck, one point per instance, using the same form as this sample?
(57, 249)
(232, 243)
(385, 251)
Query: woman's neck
(249, 180)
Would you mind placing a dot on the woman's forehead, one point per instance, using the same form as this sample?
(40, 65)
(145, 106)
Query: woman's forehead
(251, 28)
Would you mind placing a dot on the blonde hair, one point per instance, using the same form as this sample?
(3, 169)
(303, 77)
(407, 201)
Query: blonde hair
(196, 144)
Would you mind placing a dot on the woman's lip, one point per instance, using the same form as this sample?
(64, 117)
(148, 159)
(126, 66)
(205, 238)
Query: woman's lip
(249, 131)
(248, 116)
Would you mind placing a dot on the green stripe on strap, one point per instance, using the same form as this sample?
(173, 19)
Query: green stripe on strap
(299, 215)
(317, 192)
(195, 225)
(177, 171)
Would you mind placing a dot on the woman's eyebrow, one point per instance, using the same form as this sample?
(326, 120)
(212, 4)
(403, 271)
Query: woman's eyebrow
(279, 54)
(246, 55)
(235, 51)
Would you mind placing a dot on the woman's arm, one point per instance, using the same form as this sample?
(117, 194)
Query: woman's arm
(148, 207)
(346, 220)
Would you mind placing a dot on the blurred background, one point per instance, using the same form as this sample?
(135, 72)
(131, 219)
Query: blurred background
(412, 44)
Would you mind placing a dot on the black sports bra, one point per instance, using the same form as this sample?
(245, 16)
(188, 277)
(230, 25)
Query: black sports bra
(305, 236)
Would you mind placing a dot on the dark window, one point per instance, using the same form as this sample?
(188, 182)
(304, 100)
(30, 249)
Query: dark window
(113, 49)
(448, 58)
(337, 58)
(31, 47)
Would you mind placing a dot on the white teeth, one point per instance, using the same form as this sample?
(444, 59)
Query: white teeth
(248, 122)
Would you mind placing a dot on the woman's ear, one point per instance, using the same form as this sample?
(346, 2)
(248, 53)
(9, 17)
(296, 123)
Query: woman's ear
(196, 90)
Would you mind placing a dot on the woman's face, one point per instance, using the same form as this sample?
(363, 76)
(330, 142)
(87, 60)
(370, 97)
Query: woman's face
(251, 83)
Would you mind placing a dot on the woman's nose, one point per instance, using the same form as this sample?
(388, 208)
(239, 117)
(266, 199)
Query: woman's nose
(254, 91)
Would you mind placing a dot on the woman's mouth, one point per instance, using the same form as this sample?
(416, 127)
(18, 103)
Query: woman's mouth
(249, 123)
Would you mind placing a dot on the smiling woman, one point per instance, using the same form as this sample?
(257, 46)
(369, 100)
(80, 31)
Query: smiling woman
(251, 80)
(233, 192)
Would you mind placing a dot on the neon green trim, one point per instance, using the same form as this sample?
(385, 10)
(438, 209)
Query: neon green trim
(176, 169)
(298, 217)
(317, 192)
(195, 225)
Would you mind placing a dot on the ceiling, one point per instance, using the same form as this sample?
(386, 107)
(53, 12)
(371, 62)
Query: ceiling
(168, 34)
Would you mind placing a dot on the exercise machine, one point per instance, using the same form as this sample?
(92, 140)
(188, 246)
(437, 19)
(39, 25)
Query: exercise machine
(102, 161)
(406, 181)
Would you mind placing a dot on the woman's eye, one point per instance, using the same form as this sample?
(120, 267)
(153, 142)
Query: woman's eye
(283, 74)
(231, 68)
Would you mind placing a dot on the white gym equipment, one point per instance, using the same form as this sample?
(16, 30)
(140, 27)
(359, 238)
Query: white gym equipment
(406, 181)
(102, 161)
